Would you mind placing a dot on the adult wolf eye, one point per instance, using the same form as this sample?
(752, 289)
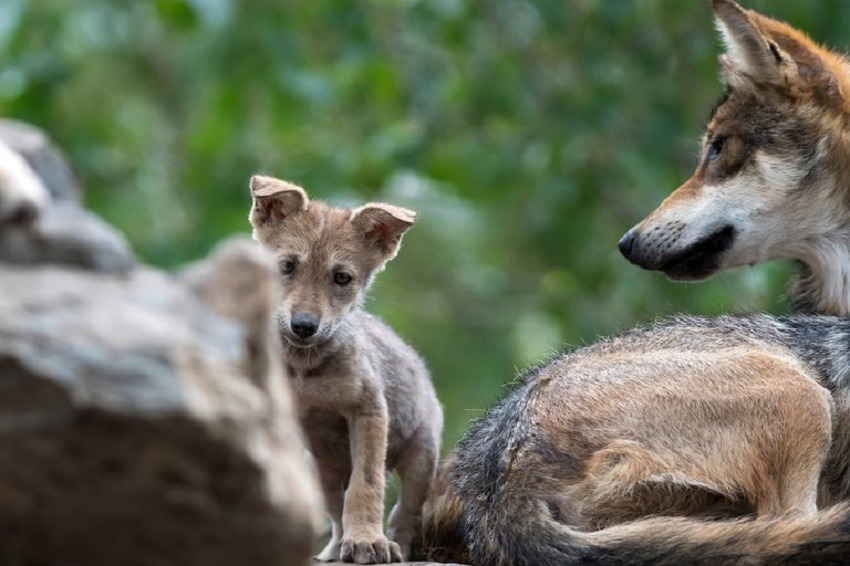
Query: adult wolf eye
(342, 279)
(714, 149)
(286, 267)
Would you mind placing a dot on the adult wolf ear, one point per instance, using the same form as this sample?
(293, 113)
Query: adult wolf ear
(275, 200)
(762, 52)
(751, 55)
(383, 225)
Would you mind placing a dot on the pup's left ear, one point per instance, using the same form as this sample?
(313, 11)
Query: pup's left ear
(383, 225)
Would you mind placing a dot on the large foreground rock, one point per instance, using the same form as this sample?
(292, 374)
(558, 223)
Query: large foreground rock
(140, 427)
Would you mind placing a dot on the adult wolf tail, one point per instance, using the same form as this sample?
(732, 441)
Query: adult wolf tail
(522, 532)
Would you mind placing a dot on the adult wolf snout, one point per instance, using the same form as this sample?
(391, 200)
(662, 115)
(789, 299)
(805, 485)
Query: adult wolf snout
(304, 325)
(626, 244)
(641, 250)
(680, 251)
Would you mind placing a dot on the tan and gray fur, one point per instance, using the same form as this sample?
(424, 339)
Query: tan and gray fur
(364, 397)
(697, 440)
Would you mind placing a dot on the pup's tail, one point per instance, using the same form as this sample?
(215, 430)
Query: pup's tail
(520, 531)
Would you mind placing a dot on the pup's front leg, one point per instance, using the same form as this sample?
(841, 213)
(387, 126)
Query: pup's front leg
(363, 539)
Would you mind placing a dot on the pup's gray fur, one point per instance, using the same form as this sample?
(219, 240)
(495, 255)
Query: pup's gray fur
(364, 397)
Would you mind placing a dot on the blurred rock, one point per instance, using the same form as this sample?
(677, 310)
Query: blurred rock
(22, 193)
(40, 217)
(43, 157)
(239, 281)
(64, 233)
(144, 419)
(135, 428)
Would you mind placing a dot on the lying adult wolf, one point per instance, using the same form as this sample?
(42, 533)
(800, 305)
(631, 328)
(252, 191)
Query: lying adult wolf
(697, 440)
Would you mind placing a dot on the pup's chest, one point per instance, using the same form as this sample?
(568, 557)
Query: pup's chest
(327, 432)
(337, 391)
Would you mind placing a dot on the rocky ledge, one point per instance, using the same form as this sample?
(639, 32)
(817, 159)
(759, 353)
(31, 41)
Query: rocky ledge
(143, 416)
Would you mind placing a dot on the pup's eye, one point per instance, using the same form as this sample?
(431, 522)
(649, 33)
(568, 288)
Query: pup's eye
(714, 149)
(342, 279)
(286, 267)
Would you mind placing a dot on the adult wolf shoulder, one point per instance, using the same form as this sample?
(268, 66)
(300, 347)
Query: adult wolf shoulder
(696, 440)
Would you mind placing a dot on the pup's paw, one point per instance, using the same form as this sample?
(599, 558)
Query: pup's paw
(330, 553)
(403, 539)
(369, 550)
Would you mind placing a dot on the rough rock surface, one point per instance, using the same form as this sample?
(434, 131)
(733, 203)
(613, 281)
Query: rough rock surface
(131, 432)
(143, 420)
(64, 233)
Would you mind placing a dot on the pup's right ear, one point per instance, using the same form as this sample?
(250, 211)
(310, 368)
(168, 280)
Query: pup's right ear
(275, 200)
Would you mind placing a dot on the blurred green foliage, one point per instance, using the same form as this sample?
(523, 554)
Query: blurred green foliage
(529, 134)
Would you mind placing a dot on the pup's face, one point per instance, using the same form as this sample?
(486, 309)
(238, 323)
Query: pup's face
(327, 256)
(767, 150)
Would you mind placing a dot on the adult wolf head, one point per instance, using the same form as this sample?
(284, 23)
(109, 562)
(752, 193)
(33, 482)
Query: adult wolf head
(773, 181)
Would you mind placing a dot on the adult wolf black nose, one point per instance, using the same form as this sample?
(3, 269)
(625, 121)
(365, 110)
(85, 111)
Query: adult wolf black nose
(626, 243)
(304, 325)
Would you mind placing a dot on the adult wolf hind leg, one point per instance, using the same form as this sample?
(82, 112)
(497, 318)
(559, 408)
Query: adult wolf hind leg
(801, 441)
(749, 433)
(416, 470)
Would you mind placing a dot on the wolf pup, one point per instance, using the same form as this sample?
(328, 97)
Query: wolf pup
(699, 440)
(364, 397)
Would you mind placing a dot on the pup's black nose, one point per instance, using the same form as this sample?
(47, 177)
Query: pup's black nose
(626, 243)
(304, 325)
